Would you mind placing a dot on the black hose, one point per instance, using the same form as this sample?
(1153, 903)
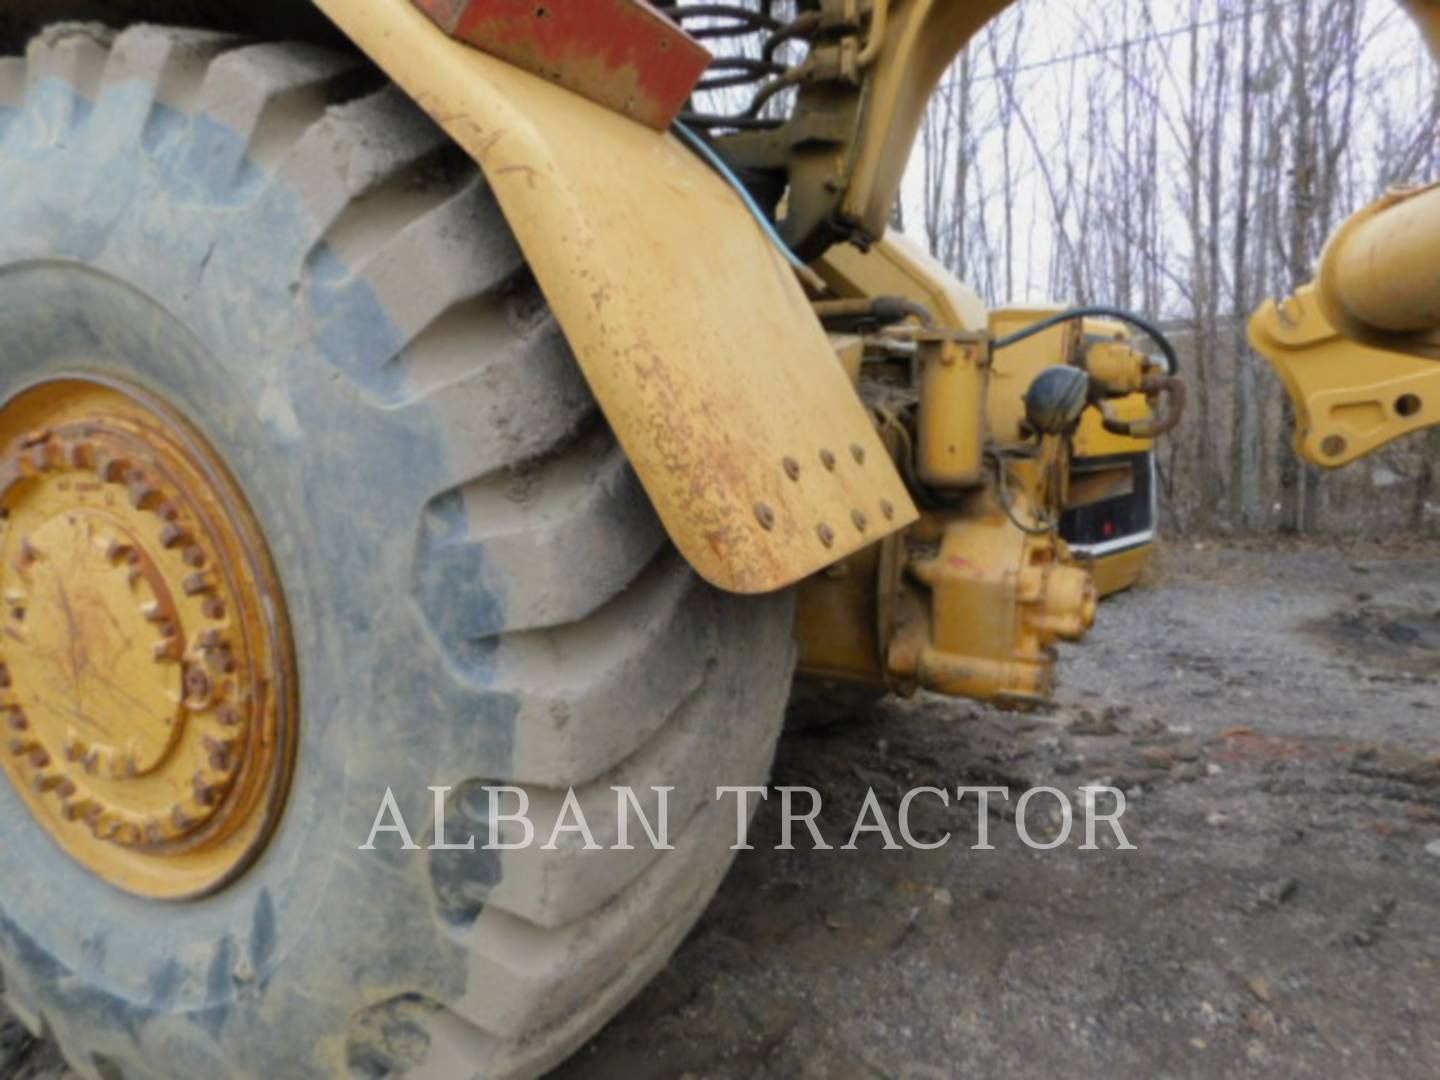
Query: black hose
(1149, 329)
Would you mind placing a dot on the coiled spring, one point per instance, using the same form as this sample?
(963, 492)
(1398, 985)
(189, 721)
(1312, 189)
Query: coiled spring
(748, 40)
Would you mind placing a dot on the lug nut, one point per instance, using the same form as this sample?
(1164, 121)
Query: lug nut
(172, 535)
(141, 490)
(197, 687)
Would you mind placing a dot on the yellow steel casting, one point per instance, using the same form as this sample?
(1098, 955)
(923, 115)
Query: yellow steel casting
(995, 600)
(689, 325)
(1350, 398)
(147, 681)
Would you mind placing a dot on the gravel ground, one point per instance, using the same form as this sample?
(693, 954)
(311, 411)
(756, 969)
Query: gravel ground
(1274, 718)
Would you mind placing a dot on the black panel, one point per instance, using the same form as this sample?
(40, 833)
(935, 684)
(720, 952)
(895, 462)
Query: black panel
(1112, 519)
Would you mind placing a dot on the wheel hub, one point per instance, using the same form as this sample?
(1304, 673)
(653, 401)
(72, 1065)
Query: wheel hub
(146, 670)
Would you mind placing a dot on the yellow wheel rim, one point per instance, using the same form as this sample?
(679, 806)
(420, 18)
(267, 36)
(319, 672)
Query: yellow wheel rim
(147, 687)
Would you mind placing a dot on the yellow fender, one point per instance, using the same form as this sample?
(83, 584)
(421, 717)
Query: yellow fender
(688, 324)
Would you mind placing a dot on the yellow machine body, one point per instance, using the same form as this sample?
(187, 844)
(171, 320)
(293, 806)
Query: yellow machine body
(688, 324)
(741, 417)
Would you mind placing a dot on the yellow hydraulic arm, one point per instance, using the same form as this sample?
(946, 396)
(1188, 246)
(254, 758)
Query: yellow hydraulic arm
(1359, 348)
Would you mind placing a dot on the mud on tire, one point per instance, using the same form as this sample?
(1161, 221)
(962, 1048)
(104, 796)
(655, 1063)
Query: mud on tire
(276, 242)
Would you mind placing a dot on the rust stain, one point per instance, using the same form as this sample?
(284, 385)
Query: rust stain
(622, 54)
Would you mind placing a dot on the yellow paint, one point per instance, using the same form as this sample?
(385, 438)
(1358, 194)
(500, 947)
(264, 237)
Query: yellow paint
(950, 430)
(1350, 398)
(1119, 571)
(995, 602)
(898, 266)
(1092, 440)
(688, 324)
(146, 678)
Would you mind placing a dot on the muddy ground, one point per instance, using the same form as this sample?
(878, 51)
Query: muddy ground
(1274, 717)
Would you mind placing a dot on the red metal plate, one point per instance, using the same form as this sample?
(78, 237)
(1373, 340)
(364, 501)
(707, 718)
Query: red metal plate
(621, 53)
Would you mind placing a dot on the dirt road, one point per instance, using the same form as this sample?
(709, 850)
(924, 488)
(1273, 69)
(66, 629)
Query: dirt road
(1275, 720)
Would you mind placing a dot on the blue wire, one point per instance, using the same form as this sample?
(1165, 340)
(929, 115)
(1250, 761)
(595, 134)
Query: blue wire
(701, 147)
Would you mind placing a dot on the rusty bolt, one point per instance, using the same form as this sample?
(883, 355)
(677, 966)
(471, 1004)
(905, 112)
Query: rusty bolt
(194, 555)
(127, 834)
(888, 509)
(19, 747)
(66, 788)
(141, 491)
(827, 459)
(214, 607)
(28, 551)
(792, 468)
(181, 819)
(42, 457)
(81, 809)
(34, 438)
(118, 552)
(195, 584)
(17, 720)
(765, 516)
(77, 455)
(111, 469)
(860, 520)
(858, 453)
(221, 752)
(39, 757)
(826, 534)
(206, 793)
(228, 716)
(44, 783)
(172, 535)
(197, 686)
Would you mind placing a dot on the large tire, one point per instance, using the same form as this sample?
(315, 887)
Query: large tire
(280, 245)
